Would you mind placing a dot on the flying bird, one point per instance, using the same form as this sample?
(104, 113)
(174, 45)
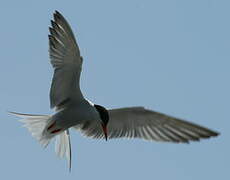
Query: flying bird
(73, 110)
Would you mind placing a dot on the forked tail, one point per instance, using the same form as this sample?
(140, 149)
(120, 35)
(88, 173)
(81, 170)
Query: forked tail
(37, 125)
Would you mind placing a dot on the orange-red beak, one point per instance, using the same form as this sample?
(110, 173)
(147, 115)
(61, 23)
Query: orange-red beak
(105, 131)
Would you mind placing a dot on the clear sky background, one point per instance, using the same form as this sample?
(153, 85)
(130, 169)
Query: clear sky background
(172, 56)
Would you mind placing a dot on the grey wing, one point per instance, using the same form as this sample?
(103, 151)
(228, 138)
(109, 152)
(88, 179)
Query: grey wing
(138, 122)
(66, 61)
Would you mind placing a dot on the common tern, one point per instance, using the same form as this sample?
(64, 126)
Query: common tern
(72, 110)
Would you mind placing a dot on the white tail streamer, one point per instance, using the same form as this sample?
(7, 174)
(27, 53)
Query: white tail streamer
(63, 146)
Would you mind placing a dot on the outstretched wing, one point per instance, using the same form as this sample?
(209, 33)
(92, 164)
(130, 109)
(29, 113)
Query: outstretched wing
(66, 61)
(138, 122)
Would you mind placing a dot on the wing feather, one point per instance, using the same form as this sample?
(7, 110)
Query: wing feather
(66, 61)
(138, 122)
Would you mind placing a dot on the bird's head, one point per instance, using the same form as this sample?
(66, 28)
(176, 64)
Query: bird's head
(104, 116)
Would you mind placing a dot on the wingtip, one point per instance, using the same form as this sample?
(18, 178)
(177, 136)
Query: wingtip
(216, 134)
(213, 134)
(13, 113)
(56, 12)
(57, 15)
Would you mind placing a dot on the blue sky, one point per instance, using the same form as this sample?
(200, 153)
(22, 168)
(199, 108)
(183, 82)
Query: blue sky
(170, 55)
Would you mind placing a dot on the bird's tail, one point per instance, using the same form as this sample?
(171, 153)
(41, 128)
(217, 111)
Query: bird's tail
(37, 125)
